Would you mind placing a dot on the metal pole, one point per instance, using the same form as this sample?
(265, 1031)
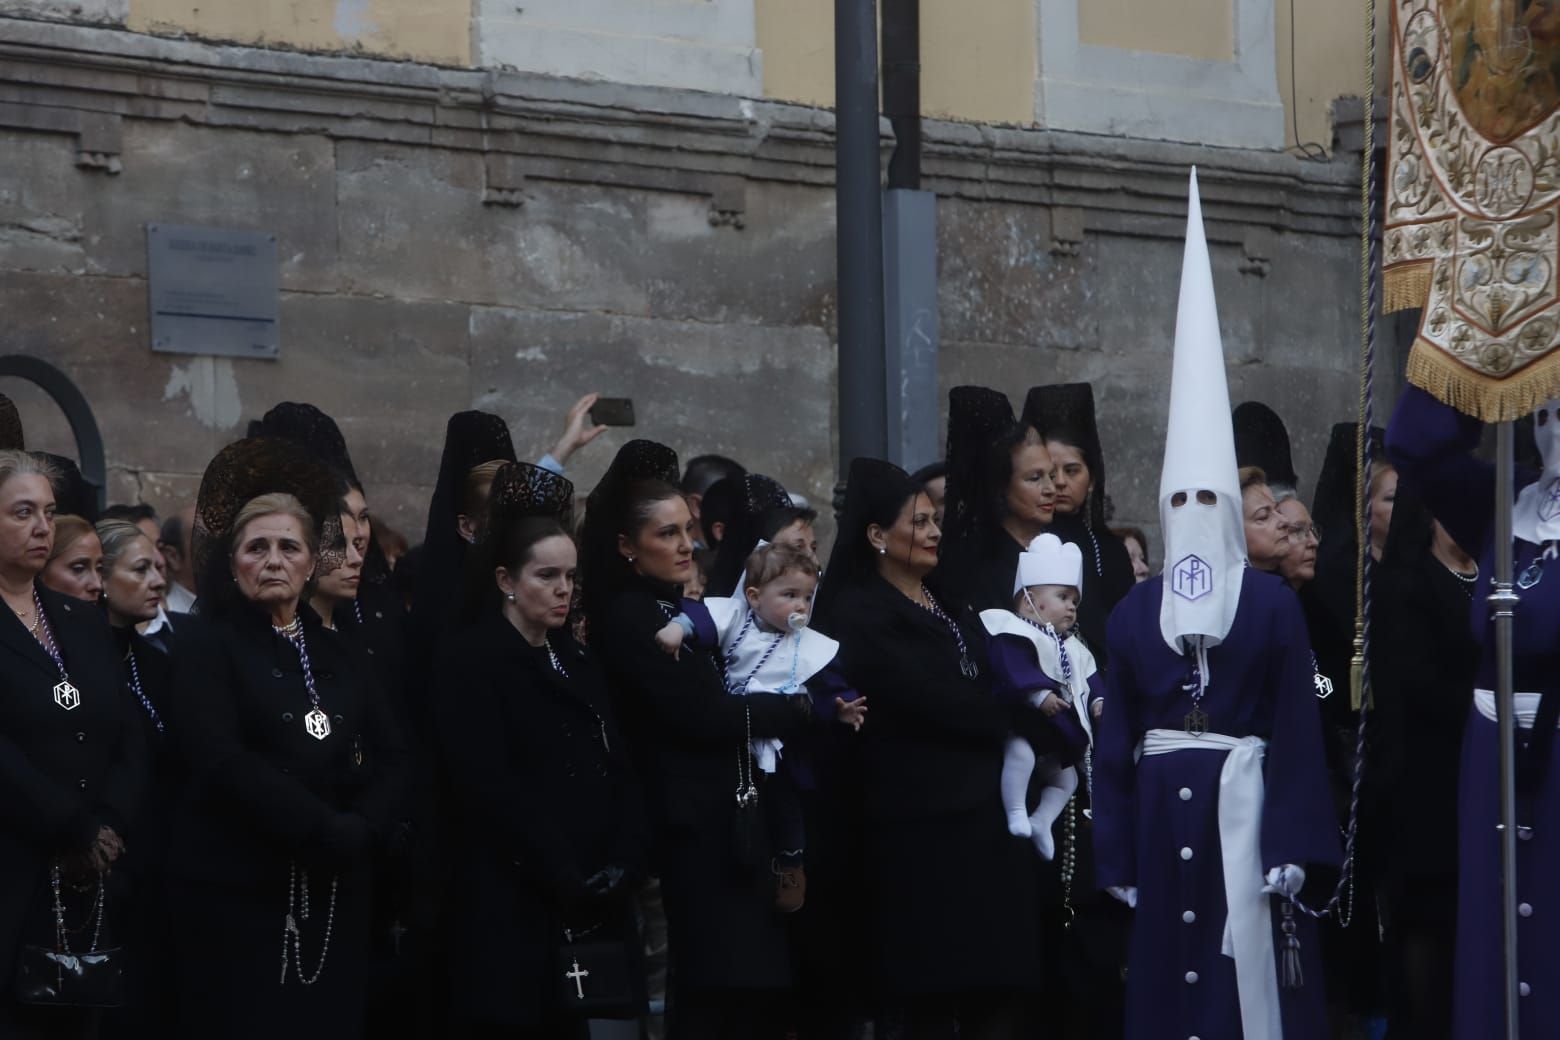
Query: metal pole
(859, 234)
(1503, 604)
(902, 89)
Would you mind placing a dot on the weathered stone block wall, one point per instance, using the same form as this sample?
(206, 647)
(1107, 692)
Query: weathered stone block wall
(453, 238)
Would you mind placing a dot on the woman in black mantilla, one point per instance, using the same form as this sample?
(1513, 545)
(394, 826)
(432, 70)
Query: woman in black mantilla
(690, 740)
(547, 816)
(951, 938)
(294, 764)
(1000, 497)
(72, 757)
(1424, 661)
(1064, 412)
(357, 601)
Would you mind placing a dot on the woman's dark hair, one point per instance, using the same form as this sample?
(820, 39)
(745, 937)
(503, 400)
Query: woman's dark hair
(608, 570)
(510, 549)
(875, 493)
(641, 474)
(982, 436)
(777, 520)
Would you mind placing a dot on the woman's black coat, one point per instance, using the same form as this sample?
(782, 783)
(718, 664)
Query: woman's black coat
(543, 797)
(262, 795)
(687, 735)
(951, 891)
(1423, 665)
(151, 998)
(63, 773)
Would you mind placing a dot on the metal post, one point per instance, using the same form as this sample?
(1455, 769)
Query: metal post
(859, 233)
(1503, 603)
(902, 89)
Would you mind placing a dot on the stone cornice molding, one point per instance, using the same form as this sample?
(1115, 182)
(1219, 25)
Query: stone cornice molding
(83, 81)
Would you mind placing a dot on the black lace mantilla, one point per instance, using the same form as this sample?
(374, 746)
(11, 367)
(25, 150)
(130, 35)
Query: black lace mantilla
(242, 472)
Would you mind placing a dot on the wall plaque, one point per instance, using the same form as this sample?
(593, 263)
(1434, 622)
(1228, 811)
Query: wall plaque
(213, 291)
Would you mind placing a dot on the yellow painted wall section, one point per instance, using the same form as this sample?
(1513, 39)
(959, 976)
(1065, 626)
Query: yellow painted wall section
(797, 41)
(1193, 28)
(977, 59)
(1329, 40)
(437, 31)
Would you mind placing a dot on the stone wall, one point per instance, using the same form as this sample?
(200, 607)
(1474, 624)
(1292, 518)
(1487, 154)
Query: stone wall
(457, 238)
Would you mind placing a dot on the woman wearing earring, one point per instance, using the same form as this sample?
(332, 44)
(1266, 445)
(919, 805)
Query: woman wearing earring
(690, 740)
(294, 762)
(548, 824)
(951, 938)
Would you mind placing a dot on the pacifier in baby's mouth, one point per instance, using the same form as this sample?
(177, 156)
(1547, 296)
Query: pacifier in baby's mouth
(796, 622)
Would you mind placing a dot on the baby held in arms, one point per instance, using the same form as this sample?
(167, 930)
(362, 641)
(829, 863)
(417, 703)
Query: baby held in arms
(766, 647)
(1046, 672)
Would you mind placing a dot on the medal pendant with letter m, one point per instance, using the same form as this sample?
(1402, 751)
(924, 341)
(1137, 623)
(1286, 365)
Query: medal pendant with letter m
(66, 695)
(1196, 722)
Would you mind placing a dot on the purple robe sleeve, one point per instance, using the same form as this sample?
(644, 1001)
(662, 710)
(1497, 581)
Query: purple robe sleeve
(1015, 670)
(1432, 445)
(826, 686)
(705, 635)
(1116, 737)
(1297, 814)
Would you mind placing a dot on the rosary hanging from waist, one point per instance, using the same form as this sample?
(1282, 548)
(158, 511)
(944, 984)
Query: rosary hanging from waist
(292, 931)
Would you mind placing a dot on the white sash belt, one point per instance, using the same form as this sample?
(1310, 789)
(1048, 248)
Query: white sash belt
(1525, 703)
(1248, 926)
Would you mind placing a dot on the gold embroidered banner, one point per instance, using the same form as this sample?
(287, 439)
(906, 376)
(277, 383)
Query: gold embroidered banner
(1473, 199)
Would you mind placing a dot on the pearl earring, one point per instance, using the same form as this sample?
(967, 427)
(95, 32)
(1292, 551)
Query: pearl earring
(633, 559)
(882, 550)
(510, 596)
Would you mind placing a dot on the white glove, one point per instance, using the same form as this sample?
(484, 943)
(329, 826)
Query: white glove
(1286, 880)
(1126, 893)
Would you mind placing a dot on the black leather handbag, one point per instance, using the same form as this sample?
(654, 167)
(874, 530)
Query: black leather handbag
(58, 976)
(600, 976)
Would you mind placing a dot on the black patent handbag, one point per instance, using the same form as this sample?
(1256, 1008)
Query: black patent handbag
(58, 976)
(600, 976)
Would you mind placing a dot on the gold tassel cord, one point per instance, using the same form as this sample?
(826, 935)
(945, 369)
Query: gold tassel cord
(1367, 185)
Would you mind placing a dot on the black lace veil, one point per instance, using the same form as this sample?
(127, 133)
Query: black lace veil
(241, 472)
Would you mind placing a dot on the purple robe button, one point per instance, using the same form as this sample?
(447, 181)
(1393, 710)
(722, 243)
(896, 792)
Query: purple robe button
(1186, 852)
(1191, 978)
(1524, 989)
(1186, 794)
(1526, 909)
(1189, 916)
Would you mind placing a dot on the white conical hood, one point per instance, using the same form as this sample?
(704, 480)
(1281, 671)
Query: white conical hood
(1205, 545)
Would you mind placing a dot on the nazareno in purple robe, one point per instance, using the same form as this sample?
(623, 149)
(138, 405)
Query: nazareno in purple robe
(1432, 445)
(1149, 814)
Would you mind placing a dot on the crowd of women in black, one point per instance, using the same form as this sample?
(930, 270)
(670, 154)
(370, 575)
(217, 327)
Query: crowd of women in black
(456, 796)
